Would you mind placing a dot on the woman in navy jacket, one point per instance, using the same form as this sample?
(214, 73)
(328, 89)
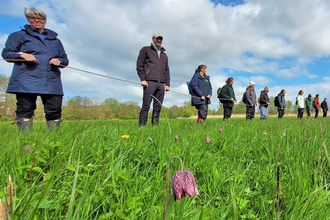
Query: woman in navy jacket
(39, 74)
(201, 92)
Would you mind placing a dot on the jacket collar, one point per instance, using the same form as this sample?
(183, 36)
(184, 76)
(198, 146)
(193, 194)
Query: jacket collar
(153, 47)
(48, 33)
(199, 75)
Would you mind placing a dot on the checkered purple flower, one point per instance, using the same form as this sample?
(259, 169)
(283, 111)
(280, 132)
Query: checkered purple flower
(183, 182)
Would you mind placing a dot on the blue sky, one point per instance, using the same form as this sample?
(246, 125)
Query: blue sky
(276, 43)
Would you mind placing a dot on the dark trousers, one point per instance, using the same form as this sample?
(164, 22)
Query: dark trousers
(308, 113)
(227, 111)
(202, 111)
(325, 112)
(300, 113)
(26, 104)
(280, 112)
(250, 110)
(316, 113)
(157, 90)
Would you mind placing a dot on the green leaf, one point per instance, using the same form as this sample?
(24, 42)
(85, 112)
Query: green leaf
(38, 169)
(169, 208)
(41, 160)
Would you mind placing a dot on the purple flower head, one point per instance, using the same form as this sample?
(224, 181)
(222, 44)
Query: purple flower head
(220, 130)
(176, 138)
(207, 140)
(183, 182)
(27, 148)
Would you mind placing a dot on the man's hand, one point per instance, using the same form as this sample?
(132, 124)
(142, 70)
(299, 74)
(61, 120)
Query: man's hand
(55, 61)
(208, 96)
(203, 98)
(29, 57)
(233, 100)
(144, 83)
(167, 88)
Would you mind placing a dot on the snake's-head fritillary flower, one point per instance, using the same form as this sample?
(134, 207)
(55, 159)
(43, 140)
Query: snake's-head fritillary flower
(176, 137)
(183, 182)
(220, 130)
(207, 140)
(27, 148)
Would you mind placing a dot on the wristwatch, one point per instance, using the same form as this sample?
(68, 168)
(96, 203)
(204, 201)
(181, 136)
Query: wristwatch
(20, 53)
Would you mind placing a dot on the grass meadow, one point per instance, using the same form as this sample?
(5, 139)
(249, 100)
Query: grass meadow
(270, 169)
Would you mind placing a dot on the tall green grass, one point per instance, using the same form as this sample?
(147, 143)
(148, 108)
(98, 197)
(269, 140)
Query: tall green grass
(85, 170)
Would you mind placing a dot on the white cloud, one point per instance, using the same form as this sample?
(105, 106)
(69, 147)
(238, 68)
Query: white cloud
(256, 38)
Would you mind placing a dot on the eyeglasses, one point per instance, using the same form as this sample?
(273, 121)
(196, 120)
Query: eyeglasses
(36, 18)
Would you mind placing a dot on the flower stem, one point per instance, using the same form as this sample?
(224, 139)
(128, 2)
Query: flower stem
(168, 180)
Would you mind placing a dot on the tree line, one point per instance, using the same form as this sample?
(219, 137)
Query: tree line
(93, 108)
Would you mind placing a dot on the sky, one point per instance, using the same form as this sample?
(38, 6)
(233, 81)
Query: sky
(280, 44)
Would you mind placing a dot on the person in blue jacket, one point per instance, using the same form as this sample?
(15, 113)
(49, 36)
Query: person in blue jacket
(37, 55)
(201, 92)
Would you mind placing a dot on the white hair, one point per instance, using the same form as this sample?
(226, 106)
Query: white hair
(32, 11)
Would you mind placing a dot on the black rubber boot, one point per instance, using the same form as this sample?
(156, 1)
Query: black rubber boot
(25, 124)
(51, 124)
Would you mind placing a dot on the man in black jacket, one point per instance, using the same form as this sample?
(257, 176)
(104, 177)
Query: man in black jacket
(324, 106)
(153, 71)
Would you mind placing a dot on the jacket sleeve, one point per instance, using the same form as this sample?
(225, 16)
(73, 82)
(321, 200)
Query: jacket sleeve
(62, 55)
(140, 64)
(225, 93)
(167, 74)
(12, 46)
(263, 98)
(281, 101)
(194, 85)
(249, 97)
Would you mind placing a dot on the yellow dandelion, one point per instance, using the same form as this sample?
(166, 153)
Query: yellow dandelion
(264, 133)
(119, 121)
(125, 136)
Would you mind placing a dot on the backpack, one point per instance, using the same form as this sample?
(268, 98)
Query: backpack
(276, 102)
(219, 93)
(244, 97)
(190, 89)
(259, 100)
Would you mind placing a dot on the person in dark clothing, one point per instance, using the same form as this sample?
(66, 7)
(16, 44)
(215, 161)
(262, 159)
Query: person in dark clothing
(38, 74)
(153, 71)
(309, 105)
(281, 101)
(316, 105)
(264, 102)
(201, 92)
(227, 97)
(251, 101)
(324, 106)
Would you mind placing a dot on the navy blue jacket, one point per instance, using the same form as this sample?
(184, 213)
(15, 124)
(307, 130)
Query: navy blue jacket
(198, 90)
(35, 77)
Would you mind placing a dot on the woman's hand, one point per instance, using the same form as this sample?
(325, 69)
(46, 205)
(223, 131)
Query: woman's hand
(55, 61)
(29, 57)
